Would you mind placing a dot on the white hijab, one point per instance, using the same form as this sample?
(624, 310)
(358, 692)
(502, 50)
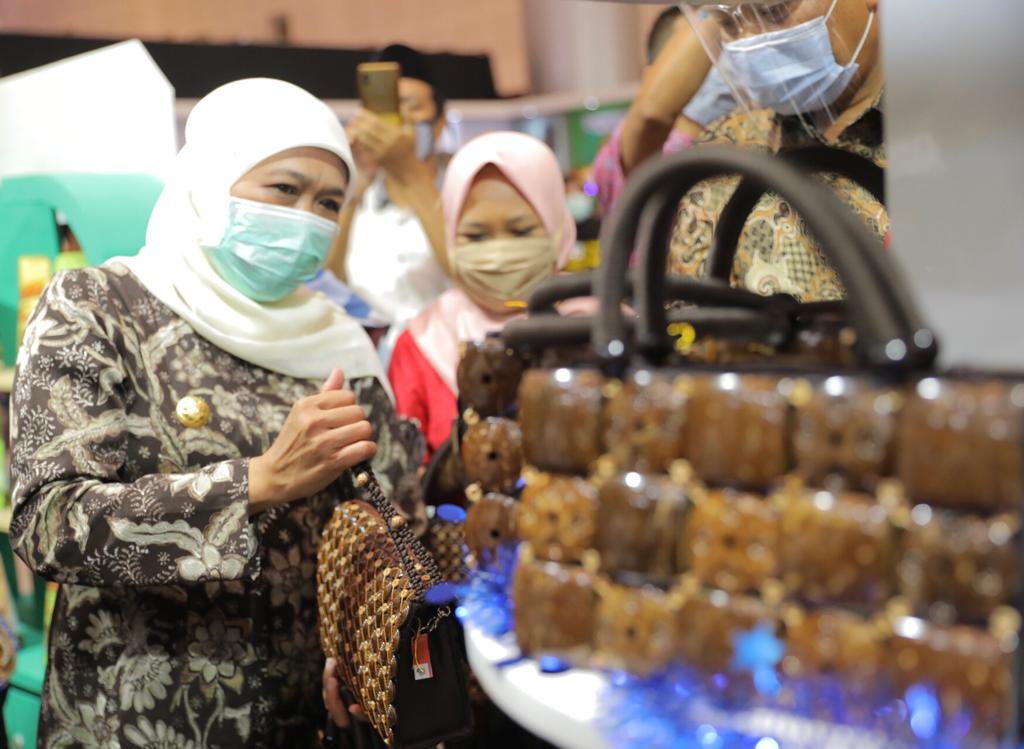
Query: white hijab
(229, 132)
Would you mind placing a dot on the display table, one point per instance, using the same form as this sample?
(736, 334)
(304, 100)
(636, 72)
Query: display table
(563, 708)
(559, 708)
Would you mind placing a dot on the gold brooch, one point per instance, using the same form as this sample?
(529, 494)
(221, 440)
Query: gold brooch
(192, 412)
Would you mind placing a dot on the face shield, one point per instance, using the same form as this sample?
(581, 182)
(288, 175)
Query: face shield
(796, 57)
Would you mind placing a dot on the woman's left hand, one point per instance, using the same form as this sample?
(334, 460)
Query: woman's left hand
(391, 146)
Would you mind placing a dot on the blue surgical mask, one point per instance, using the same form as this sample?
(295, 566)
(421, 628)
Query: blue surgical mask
(713, 99)
(792, 71)
(424, 140)
(268, 251)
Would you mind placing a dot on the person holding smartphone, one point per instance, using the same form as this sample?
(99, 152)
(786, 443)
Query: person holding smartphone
(391, 249)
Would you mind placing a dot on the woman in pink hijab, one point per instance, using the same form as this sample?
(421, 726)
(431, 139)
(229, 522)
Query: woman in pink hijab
(508, 228)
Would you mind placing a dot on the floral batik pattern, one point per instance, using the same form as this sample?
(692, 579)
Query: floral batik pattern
(181, 621)
(775, 253)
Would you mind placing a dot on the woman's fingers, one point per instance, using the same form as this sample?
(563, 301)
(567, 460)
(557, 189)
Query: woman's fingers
(354, 454)
(341, 417)
(357, 712)
(333, 399)
(335, 381)
(332, 695)
(347, 436)
(370, 124)
(370, 131)
(373, 145)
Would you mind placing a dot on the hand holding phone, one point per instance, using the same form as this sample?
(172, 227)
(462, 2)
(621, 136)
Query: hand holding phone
(391, 146)
(378, 89)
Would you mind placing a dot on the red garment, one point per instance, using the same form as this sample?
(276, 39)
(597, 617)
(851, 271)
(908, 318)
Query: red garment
(420, 393)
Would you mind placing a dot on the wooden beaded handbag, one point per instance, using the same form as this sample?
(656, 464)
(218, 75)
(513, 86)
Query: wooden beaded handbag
(398, 654)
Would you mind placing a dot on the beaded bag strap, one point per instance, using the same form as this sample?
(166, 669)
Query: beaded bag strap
(417, 561)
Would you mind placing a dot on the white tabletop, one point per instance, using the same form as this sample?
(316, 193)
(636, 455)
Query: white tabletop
(559, 708)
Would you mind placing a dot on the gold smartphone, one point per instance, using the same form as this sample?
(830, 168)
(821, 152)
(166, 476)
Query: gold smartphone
(378, 88)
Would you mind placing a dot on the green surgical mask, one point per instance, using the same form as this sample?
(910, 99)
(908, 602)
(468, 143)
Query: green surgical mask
(268, 251)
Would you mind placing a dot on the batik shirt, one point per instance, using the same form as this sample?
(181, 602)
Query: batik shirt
(181, 621)
(775, 253)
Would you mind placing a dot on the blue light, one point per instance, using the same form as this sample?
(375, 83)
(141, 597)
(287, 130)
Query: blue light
(767, 743)
(756, 649)
(924, 725)
(766, 681)
(590, 188)
(924, 712)
(707, 736)
(440, 594)
(451, 514)
(681, 690)
(484, 599)
(549, 664)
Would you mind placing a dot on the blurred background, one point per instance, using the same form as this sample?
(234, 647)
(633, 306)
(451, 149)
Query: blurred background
(564, 71)
(508, 33)
(501, 62)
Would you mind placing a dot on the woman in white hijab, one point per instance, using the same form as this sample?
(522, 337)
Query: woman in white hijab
(180, 423)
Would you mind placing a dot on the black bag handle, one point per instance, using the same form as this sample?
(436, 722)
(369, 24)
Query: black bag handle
(722, 254)
(652, 283)
(536, 333)
(544, 327)
(655, 230)
(817, 160)
(557, 289)
(888, 275)
(884, 336)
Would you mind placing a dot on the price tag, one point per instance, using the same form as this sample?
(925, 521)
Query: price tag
(421, 668)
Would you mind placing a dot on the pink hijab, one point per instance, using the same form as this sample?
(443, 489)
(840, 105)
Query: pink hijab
(532, 169)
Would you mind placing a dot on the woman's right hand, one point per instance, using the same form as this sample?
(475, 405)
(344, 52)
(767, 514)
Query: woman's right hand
(333, 700)
(323, 436)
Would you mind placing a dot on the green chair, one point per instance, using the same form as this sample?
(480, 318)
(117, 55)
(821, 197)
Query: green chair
(108, 213)
(21, 709)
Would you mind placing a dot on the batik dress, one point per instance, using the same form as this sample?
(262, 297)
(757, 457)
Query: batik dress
(181, 621)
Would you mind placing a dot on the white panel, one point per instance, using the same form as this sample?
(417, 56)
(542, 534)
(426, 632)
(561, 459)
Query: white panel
(955, 132)
(111, 110)
(581, 46)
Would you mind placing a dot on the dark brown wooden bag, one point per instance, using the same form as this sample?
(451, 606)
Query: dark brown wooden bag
(857, 484)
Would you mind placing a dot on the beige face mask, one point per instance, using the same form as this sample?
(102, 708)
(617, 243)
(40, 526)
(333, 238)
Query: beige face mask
(499, 271)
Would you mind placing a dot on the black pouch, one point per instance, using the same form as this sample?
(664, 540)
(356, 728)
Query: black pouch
(431, 696)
